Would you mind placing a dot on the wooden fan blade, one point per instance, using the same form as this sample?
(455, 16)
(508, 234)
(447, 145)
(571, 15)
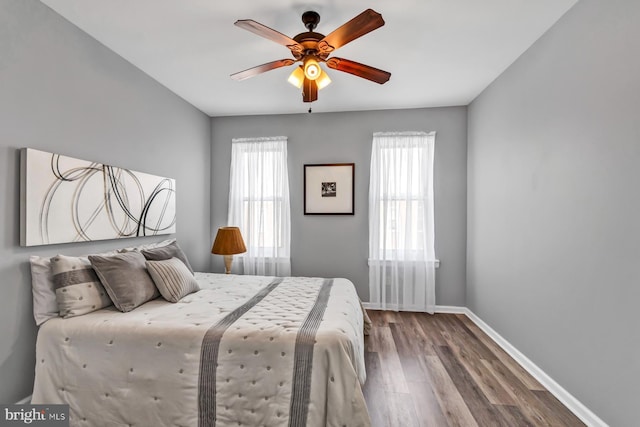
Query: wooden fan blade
(362, 24)
(309, 90)
(360, 70)
(242, 75)
(271, 34)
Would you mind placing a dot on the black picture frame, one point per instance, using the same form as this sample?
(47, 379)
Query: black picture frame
(329, 189)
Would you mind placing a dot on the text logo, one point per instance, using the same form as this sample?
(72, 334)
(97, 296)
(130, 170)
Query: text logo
(34, 415)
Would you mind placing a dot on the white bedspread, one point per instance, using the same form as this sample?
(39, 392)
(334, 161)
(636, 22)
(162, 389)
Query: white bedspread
(243, 351)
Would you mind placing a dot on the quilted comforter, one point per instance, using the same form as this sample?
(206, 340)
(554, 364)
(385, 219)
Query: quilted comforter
(243, 351)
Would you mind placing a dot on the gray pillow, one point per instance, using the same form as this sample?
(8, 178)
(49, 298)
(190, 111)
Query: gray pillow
(172, 278)
(126, 279)
(167, 252)
(78, 289)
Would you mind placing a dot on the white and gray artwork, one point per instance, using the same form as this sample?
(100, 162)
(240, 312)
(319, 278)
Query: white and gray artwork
(64, 199)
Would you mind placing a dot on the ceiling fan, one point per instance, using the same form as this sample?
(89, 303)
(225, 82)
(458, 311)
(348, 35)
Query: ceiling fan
(311, 48)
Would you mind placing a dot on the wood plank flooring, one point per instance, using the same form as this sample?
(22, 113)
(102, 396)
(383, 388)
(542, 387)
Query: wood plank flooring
(442, 370)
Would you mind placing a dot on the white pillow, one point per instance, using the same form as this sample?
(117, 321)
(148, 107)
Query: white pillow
(147, 246)
(172, 278)
(45, 306)
(78, 288)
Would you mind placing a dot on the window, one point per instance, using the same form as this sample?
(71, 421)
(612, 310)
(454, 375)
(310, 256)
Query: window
(402, 201)
(401, 222)
(259, 203)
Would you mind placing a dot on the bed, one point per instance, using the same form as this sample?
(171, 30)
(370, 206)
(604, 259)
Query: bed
(242, 351)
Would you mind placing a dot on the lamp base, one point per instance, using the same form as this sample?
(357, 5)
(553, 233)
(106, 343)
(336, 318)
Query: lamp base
(228, 259)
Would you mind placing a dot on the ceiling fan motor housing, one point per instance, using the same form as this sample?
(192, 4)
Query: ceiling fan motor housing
(310, 19)
(309, 42)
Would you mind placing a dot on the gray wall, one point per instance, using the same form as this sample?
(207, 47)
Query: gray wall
(338, 245)
(553, 202)
(61, 91)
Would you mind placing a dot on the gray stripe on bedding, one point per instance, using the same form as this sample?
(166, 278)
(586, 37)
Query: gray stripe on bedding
(74, 277)
(303, 358)
(209, 356)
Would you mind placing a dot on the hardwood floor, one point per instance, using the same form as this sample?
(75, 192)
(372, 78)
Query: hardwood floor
(442, 370)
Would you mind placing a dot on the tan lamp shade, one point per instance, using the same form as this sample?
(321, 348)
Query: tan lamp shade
(228, 242)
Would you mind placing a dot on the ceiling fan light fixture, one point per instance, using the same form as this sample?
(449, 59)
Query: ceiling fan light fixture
(323, 81)
(296, 78)
(311, 68)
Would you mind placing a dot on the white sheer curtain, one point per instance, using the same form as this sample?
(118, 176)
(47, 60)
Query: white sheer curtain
(259, 204)
(401, 225)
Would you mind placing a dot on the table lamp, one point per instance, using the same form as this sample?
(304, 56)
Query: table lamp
(228, 242)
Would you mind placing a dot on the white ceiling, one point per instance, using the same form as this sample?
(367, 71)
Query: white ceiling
(440, 52)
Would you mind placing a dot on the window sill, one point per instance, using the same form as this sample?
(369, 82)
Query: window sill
(389, 262)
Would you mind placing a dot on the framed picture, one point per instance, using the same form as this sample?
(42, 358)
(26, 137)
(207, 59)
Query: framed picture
(329, 189)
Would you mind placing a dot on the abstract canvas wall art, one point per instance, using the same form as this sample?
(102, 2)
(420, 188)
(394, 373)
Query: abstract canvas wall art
(64, 199)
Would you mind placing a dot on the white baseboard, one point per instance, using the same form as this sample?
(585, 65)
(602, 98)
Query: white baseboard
(439, 308)
(567, 399)
(451, 309)
(25, 401)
